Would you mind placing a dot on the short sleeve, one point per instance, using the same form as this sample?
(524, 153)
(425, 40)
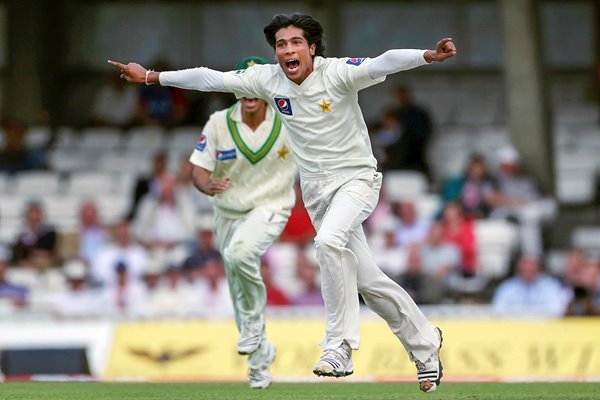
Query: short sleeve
(204, 154)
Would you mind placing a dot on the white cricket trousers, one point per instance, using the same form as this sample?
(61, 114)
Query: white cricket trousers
(242, 242)
(338, 202)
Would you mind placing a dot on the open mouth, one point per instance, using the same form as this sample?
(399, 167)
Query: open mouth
(292, 64)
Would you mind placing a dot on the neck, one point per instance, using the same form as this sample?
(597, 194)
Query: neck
(255, 118)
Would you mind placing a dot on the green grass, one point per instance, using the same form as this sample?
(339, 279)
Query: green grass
(293, 391)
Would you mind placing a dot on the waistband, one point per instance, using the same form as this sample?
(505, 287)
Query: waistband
(334, 173)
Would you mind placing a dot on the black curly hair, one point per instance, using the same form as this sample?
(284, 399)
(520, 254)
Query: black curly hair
(313, 31)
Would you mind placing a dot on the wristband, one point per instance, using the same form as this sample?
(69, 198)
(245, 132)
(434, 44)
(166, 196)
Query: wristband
(148, 73)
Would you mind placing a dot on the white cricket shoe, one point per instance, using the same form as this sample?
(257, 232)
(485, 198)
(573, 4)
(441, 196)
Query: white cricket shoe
(260, 378)
(250, 336)
(429, 373)
(335, 362)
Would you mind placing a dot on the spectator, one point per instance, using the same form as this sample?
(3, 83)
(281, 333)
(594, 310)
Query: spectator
(530, 292)
(126, 296)
(389, 256)
(457, 228)
(423, 288)
(410, 151)
(213, 297)
(307, 273)
(116, 104)
(92, 235)
(518, 197)
(472, 189)
(388, 133)
(148, 183)
(439, 258)
(275, 296)
(123, 250)
(76, 300)
(166, 218)
(411, 229)
(36, 245)
(299, 228)
(204, 246)
(585, 285)
(15, 156)
(14, 295)
(161, 105)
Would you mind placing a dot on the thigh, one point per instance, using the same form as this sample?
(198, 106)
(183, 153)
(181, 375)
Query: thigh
(259, 229)
(341, 204)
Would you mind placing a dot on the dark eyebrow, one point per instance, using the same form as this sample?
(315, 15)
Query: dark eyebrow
(292, 38)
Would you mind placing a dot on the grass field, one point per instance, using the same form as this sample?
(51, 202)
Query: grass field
(293, 391)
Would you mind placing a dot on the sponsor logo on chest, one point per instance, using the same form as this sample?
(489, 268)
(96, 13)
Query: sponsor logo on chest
(224, 155)
(283, 105)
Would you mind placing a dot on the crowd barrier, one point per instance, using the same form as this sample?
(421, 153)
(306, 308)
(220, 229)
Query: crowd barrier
(474, 350)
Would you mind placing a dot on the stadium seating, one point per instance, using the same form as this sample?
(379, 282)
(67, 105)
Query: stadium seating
(400, 184)
(496, 244)
(37, 183)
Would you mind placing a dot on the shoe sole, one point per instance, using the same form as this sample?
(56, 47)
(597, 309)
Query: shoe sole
(427, 386)
(332, 374)
(325, 371)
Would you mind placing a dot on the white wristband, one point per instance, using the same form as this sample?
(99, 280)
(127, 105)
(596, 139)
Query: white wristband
(148, 73)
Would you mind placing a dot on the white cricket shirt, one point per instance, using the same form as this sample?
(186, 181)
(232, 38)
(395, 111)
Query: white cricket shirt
(325, 124)
(259, 163)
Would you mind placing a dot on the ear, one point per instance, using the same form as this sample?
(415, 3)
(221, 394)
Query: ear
(312, 49)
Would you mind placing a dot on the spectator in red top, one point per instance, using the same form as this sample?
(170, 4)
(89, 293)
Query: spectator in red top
(459, 229)
(299, 228)
(275, 296)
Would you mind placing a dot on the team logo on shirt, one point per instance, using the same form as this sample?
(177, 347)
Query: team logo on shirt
(355, 61)
(325, 106)
(223, 155)
(283, 105)
(201, 144)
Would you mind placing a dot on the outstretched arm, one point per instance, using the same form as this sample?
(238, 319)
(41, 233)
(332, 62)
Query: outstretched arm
(397, 60)
(203, 79)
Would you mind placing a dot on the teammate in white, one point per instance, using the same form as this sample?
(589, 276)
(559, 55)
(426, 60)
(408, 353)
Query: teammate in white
(243, 162)
(317, 99)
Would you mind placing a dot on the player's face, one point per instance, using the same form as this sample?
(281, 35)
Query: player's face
(252, 106)
(294, 54)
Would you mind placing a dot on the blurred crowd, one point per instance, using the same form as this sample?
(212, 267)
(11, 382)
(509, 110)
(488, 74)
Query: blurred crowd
(159, 259)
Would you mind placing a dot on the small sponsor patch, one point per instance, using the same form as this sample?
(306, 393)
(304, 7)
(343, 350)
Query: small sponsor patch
(201, 144)
(223, 155)
(283, 105)
(355, 61)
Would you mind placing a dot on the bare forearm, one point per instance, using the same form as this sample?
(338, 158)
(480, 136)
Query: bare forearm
(201, 179)
(204, 182)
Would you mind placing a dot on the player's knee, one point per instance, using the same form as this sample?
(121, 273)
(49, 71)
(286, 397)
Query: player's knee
(239, 254)
(326, 239)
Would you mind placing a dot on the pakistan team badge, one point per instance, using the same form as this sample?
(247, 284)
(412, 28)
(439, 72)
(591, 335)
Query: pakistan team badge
(325, 106)
(283, 152)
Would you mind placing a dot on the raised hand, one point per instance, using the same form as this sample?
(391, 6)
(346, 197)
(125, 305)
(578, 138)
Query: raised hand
(132, 72)
(444, 49)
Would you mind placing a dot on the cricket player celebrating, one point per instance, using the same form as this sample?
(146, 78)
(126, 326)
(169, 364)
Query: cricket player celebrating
(242, 160)
(317, 100)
